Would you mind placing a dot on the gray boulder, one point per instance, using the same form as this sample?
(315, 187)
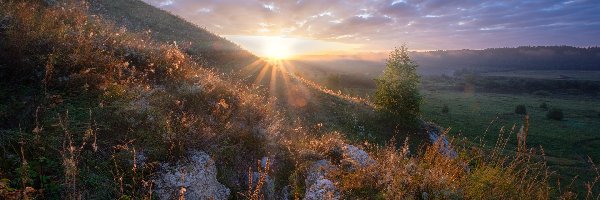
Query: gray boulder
(197, 178)
(356, 156)
(319, 187)
(322, 189)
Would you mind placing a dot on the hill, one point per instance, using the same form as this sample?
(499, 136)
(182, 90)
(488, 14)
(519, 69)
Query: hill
(448, 62)
(90, 110)
(163, 26)
(507, 59)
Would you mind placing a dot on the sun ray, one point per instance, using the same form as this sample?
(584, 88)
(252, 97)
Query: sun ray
(252, 67)
(262, 73)
(273, 81)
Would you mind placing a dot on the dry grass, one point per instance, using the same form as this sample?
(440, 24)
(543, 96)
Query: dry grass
(129, 96)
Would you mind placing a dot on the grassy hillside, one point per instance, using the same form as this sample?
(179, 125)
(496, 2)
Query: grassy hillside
(481, 104)
(89, 110)
(165, 27)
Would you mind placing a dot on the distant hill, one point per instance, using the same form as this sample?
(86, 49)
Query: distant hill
(198, 42)
(505, 59)
(450, 61)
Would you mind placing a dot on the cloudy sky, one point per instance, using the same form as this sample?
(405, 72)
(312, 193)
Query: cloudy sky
(376, 25)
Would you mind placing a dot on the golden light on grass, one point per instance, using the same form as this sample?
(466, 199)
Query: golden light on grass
(276, 75)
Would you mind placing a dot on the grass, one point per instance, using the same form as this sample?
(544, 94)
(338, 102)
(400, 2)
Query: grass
(95, 98)
(549, 74)
(206, 47)
(567, 143)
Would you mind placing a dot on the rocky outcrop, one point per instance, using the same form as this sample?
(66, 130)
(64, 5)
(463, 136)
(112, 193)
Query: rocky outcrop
(356, 156)
(437, 138)
(195, 178)
(322, 189)
(319, 187)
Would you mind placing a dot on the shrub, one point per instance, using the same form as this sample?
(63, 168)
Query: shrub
(555, 114)
(541, 93)
(445, 109)
(544, 106)
(521, 109)
(397, 96)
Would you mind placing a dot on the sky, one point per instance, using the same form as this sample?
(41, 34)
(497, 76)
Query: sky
(290, 27)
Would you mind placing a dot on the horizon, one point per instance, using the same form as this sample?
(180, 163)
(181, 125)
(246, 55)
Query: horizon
(304, 28)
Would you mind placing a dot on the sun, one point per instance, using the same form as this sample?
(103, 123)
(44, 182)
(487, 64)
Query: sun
(277, 48)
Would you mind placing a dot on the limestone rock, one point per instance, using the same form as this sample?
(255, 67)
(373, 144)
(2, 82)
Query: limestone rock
(356, 156)
(317, 171)
(322, 189)
(444, 145)
(319, 187)
(197, 176)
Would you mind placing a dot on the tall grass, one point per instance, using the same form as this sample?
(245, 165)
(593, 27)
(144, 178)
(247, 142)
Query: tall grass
(133, 103)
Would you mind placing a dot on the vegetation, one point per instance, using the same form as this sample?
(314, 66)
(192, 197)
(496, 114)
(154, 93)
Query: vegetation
(544, 106)
(555, 114)
(82, 99)
(522, 58)
(200, 44)
(521, 110)
(90, 110)
(445, 109)
(397, 95)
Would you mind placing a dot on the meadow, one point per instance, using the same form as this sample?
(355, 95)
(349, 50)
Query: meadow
(479, 116)
(480, 105)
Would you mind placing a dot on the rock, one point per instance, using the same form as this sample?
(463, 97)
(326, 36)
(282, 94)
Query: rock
(50, 2)
(4, 23)
(197, 176)
(190, 89)
(317, 171)
(318, 187)
(444, 146)
(356, 156)
(322, 189)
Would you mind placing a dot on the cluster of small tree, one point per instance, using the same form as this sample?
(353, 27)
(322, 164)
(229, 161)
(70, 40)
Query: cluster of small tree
(397, 97)
(555, 114)
(521, 110)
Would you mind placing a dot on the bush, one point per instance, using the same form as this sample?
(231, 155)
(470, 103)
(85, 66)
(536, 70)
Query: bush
(544, 106)
(521, 109)
(397, 96)
(543, 93)
(555, 114)
(445, 109)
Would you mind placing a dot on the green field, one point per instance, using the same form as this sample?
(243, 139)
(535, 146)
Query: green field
(567, 143)
(549, 74)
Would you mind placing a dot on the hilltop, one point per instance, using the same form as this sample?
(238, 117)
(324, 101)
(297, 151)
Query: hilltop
(199, 43)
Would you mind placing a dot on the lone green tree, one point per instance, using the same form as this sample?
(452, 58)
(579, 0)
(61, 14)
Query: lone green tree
(397, 97)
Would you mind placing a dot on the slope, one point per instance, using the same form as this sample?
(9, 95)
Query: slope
(91, 111)
(165, 27)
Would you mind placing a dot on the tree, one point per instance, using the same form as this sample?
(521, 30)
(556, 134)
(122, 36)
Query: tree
(521, 109)
(555, 114)
(445, 109)
(544, 106)
(397, 97)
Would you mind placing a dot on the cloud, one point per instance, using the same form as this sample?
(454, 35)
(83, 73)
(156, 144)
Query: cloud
(381, 24)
